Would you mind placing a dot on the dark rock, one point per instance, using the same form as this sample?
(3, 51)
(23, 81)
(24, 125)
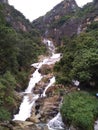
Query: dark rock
(4, 1)
(53, 25)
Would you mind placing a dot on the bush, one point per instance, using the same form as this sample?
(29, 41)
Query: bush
(92, 26)
(80, 109)
(80, 60)
(4, 114)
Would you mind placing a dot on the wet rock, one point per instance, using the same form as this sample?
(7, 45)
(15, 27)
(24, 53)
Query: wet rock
(55, 89)
(45, 69)
(23, 125)
(35, 118)
(42, 84)
(49, 107)
(42, 126)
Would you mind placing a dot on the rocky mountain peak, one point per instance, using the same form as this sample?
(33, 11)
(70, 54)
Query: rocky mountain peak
(52, 23)
(63, 8)
(4, 1)
(70, 3)
(96, 3)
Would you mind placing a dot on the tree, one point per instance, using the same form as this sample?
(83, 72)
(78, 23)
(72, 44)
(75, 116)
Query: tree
(80, 60)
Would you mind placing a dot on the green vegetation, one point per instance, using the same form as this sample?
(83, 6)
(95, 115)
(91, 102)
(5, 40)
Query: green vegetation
(61, 21)
(80, 109)
(88, 8)
(92, 26)
(80, 60)
(7, 85)
(18, 50)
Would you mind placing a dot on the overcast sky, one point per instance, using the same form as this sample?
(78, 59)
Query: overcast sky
(33, 9)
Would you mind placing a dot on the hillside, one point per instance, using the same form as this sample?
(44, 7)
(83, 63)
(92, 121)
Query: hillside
(77, 31)
(18, 42)
(59, 21)
(66, 19)
(74, 31)
(79, 59)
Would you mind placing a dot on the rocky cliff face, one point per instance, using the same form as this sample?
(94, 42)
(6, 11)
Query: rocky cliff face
(4, 1)
(95, 4)
(89, 15)
(66, 19)
(58, 21)
(14, 18)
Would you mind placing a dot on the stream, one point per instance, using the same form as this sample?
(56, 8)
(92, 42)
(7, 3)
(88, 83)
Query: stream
(30, 98)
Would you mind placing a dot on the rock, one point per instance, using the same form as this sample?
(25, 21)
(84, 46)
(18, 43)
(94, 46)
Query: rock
(4, 1)
(45, 69)
(42, 126)
(42, 84)
(49, 22)
(6, 126)
(23, 125)
(49, 107)
(72, 128)
(35, 118)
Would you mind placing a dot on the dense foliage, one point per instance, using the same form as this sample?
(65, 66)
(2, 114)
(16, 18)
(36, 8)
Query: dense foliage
(80, 59)
(61, 21)
(88, 8)
(80, 110)
(18, 50)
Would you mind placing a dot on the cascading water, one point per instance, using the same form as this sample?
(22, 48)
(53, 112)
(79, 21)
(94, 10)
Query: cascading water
(26, 106)
(52, 81)
(56, 123)
(30, 98)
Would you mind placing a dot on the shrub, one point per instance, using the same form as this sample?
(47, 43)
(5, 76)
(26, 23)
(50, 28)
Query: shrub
(80, 109)
(4, 114)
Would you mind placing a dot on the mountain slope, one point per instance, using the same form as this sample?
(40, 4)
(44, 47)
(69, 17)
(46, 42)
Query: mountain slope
(59, 21)
(66, 19)
(18, 42)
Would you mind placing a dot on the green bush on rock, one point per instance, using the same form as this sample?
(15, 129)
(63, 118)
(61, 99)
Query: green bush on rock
(80, 109)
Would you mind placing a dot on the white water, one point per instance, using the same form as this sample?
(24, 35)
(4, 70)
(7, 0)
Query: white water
(56, 123)
(52, 81)
(30, 98)
(26, 105)
(25, 108)
(96, 125)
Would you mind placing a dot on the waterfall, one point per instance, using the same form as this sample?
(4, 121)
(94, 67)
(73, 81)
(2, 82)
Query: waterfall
(26, 106)
(56, 123)
(29, 97)
(52, 81)
(25, 109)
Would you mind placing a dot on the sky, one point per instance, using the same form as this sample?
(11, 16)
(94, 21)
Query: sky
(33, 9)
